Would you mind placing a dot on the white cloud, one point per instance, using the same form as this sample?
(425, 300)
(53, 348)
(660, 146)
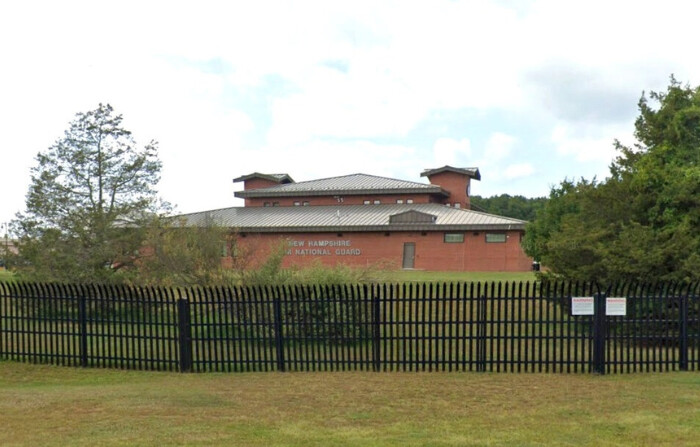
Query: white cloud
(518, 171)
(360, 78)
(448, 151)
(321, 158)
(498, 147)
(583, 147)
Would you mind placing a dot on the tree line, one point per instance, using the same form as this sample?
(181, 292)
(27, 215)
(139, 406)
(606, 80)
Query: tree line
(517, 207)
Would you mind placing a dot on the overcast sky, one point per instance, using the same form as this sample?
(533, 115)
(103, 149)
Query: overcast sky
(530, 92)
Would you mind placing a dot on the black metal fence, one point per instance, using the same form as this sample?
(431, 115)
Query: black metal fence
(515, 327)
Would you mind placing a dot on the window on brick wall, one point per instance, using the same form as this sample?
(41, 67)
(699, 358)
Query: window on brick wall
(495, 237)
(454, 238)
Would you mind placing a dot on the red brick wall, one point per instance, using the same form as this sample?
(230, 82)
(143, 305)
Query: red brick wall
(456, 184)
(432, 253)
(256, 183)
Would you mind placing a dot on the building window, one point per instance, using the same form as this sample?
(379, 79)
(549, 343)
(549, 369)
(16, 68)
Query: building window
(458, 205)
(495, 237)
(365, 202)
(306, 203)
(399, 200)
(409, 200)
(275, 204)
(377, 202)
(297, 203)
(454, 238)
(266, 204)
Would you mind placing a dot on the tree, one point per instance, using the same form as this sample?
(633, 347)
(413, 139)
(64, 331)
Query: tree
(517, 207)
(89, 197)
(642, 222)
(179, 255)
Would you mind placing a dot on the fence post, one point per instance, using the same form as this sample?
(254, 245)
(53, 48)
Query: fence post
(82, 324)
(481, 334)
(376, 342)
(599, 333)
(185, 334)
(683, 316)
(277, 307)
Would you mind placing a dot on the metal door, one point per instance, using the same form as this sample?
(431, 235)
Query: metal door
(409, 255)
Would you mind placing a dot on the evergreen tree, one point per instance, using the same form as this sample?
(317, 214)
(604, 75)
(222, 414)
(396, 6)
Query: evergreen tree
(642, 222)
(91, 193)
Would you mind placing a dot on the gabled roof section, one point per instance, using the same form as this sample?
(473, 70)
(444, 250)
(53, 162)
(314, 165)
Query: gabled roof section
(277, 178)
(347, 184)
(469, 172)
(317, 219)
(412, 217)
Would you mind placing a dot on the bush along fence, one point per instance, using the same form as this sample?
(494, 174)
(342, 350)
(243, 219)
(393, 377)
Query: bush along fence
(514, 327)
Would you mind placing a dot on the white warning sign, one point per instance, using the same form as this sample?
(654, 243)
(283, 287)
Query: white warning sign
(581, 305)
(616, 306)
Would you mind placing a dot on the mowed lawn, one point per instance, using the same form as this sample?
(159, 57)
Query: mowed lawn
(5, 275)
(426, 276)
(48, 405)
(421, 275)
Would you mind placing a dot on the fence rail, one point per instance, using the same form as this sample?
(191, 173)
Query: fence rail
(509, 327)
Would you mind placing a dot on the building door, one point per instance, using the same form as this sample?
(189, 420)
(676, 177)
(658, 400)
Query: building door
(409, 254)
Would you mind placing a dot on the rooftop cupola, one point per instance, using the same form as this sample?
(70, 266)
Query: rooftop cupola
(456, 181)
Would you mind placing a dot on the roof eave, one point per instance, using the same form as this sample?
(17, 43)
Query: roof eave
(469, 172)
(261, 193)
(383, 228)
(283, 178)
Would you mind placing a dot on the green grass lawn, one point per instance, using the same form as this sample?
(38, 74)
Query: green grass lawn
(419, 275)
(5, 275)
(45, 405)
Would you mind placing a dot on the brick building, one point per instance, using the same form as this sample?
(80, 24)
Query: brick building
(362, 220)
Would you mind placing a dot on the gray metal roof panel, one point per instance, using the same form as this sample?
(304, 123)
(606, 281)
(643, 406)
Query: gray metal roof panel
(273, 177)
(471, 172)
(347, 184)
(348, 218)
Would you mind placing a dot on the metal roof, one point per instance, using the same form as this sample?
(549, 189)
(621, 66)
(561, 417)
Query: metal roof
(279, 178)
(347, 184)
(349, 218)
(470, 172)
